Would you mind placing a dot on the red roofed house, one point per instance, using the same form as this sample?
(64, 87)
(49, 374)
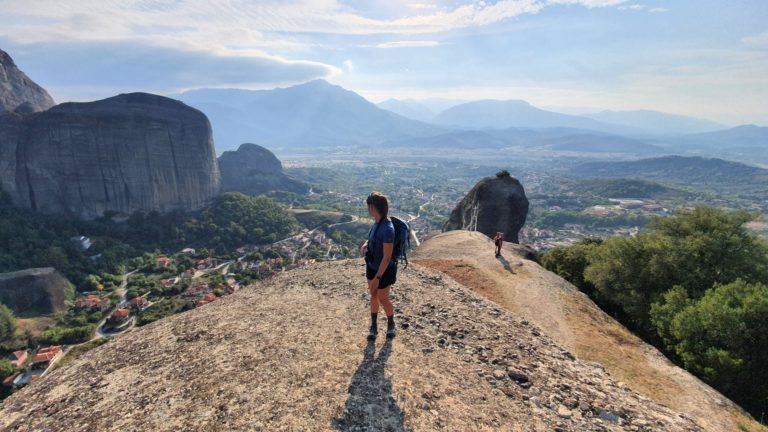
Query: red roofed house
(163, 261)
(18, 358)
(197, 290)
(168, 282)
(46, 356)
(8, 382)
(208, 298)
(118, 317)
(92, 302)
(138, 303)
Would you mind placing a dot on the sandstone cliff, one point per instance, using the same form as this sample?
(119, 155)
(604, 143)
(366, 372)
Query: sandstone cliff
(499, 204)
(17, 91)
(35, 291)
(290, 354)
(129, 152)
(254, 170)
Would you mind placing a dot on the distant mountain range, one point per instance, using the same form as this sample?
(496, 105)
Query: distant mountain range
(715, 173)
(747, 137)
(500, 114)
(320, 115)
(310, 115)
(408, 108)
(496, 114)
(550, 139)
(656, 122)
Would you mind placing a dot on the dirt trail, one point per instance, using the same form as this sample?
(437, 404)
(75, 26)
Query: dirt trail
(574, 321)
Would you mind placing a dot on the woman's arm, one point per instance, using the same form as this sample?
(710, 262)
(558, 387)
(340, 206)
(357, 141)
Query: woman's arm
(388, 247)
(363, 248)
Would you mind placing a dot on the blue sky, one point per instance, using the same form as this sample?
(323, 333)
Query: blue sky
(697, 57)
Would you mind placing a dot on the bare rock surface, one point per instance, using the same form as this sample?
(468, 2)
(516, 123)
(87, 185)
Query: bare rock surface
(498, 204)
(41, 290)
(130, 152)
(17, 91)
(528, 291)
(290, 354)
(253, 169)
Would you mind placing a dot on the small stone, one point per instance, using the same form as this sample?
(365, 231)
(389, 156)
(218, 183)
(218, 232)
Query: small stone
(426, 407)
(564, 412)
(517, 375)
(499, 374)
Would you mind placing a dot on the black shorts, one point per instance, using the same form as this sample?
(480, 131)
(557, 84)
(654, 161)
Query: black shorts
(388, 278)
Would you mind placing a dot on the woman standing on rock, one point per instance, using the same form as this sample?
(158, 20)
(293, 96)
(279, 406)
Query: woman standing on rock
(498, 241)
(380, 268)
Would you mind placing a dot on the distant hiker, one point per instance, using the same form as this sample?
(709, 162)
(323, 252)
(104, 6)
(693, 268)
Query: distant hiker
(498, 241)
(380, 268)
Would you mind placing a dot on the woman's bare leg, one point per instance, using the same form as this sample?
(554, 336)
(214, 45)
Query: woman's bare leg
(383, 296)
(374, 298)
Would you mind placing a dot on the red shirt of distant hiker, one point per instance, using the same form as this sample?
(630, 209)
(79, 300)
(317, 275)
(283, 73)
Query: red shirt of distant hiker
(498, 241)
(380, 268)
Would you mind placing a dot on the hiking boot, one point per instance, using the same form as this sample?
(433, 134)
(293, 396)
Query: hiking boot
(390, 331)
(372, 333)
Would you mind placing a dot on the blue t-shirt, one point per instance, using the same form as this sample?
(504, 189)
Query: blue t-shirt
(385, 234)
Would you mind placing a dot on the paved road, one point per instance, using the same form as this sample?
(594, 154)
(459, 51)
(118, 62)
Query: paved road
(123, 292)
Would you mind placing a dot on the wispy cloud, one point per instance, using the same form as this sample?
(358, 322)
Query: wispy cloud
(408, 44)
(758, 40)
(658, 10)
(245, 21)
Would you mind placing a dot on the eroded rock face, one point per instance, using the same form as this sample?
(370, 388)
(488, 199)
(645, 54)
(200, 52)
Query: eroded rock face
(501, 207)
(253, 169)
(130, 152)
(17, 91)
(35, 290)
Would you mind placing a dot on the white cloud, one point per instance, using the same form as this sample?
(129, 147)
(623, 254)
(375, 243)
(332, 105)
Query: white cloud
(635, 7)
(408, 44)
(758, 40)
(422, 6)
(658, 10)
(244, 22)
(591, 4)
(348, 65)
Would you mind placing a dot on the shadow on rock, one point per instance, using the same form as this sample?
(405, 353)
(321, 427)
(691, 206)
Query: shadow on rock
(505, 263)
(370, 405)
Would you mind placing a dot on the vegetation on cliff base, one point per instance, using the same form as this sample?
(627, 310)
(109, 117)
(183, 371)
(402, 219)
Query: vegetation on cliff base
(695, 285)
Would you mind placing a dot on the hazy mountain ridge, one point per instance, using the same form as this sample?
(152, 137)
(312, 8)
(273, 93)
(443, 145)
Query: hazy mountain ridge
(313, 114)
(497, 114)
(681, 170)
(656, 122)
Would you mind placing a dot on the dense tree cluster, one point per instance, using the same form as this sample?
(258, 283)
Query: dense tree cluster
(695, 285)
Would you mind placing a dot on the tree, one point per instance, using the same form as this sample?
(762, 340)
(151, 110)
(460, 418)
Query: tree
(694, 250)
(723, 338)
(6, 369)
(7, 324)
(53, 256)
(569, 262)
(93, 282)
